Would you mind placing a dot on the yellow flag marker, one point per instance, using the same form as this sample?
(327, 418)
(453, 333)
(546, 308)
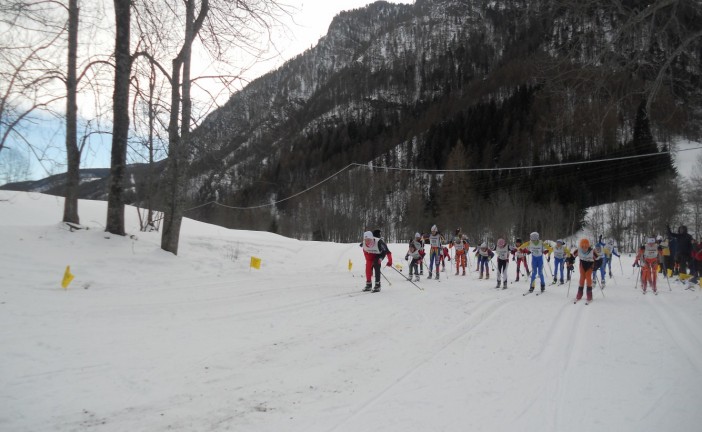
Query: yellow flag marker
(67, 277)
(350, 265)
(398, 266)
(255, 263)
(684, 276)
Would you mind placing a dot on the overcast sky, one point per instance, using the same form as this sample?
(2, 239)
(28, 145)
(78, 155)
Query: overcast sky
(310, 21)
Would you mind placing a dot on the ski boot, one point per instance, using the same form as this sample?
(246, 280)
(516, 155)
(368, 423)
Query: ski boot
(456, 273)
(368, 286)
(464, 272)
(429, 277)
(554, 281)
(376, 288)
(437, 276)
(504, 284)
(580, 293)
(498, 283)
(560, 282)
(487, 275)
(543, 288)
(589, 294)
(481, 275)
(416, 278)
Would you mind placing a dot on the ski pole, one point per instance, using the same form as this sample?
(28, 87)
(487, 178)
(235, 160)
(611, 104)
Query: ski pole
(599, 284)
(620, 265)
(568, 292)
(385, 277)
(636, 286)
(666, 277)
(410, 280)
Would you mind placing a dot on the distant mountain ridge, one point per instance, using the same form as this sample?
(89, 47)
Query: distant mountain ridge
(438, 84)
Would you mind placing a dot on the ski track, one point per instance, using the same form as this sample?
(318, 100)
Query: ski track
(561, 344)
(485, 312)
(678, 326)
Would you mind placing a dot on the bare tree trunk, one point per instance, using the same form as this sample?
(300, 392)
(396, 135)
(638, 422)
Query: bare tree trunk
(70, 205)
(150, 171)
(120, 129)
(173, 212)
(179, 137)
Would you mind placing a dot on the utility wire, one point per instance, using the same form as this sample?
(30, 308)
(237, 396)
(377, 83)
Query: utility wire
(420, 170)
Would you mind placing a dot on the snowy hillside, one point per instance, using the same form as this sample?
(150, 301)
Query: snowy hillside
(146, 341)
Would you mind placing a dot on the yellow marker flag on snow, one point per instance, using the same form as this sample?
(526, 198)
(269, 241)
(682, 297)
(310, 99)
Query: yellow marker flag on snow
(670, 272)
(398, 266)
(255, 263)
(683, 276)
(350, 265)
(67, 277)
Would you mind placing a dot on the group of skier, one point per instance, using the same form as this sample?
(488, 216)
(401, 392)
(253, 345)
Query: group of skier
(595, 260)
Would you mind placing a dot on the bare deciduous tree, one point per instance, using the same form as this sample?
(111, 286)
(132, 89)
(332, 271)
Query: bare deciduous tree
(221, 26)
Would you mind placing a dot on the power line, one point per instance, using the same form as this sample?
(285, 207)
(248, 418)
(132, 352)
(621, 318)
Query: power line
(420, 170)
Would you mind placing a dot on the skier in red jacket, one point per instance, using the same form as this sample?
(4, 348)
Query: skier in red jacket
(374, 249)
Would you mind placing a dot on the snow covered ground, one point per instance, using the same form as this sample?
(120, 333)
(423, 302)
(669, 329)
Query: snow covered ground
(146, 341)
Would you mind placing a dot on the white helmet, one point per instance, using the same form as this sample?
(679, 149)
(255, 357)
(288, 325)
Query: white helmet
(417, 235)
(434, 228)
(534, 236)
(659, 238)
(560, 241)
(483, 245)
(367, 234)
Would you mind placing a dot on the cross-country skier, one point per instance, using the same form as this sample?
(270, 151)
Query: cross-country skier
(560, 253)
(520, 257)
(587, 257)
(416, 258)
(445, 256)
(609, 250)
(502, 251)
(375, 250)
(461, 245)
(537, 249)
(418, 244)
(436, 241)
(647, 258)
(484, 255)
(599, 264)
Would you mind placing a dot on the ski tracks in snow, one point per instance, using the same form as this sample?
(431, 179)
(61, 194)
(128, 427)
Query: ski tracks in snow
(558, 356)
(682, 330)
(486, 312)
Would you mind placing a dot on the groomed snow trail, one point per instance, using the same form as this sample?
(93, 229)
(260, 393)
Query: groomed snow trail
(146, 341)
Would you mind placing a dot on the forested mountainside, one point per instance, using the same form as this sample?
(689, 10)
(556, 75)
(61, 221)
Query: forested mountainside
(445, 84)
(518, 91)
